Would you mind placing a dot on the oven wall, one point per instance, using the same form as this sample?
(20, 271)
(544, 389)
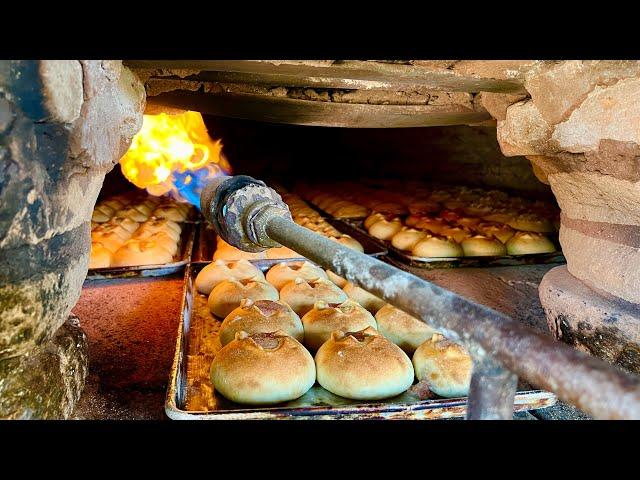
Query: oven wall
(458, 154)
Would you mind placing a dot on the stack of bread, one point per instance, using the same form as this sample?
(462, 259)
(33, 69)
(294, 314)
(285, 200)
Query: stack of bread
(282, 332)
(136, 229)
(429, 221)
(303, 215)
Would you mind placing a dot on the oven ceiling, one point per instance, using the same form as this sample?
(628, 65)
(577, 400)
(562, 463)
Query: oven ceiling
(333, 93)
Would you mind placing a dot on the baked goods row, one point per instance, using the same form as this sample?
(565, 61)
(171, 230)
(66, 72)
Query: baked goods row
(283, 331)
(303, 215)
(456, 237)
(136, 230)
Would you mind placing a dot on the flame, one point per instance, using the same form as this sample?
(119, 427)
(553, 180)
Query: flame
(174, 155)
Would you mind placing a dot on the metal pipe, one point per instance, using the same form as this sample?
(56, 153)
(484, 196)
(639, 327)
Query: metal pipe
(584, 381)
(492, 392)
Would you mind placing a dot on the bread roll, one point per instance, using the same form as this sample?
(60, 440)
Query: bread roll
(436, 246)
(282, 273)
(524, 243)
(226, 295)
(144, 208)
(391, 208)
(170, 212)
(373, 218)
(402, 329)
(125, 224)
(499, 230)
(155, 224)
(263, 369)
(350, 211)
(406, 238)
(100, 257)
(424, 207)
(433, 225)
(261, 316)
(363, 366)
(323, 319)
(501, 215)
(224, 251)
(458, 233)
(385, 229)
(113, 203)
(444, 365)
(220, 270)
(337, 279)
(413, 220)
(530, 222)
(350, 242)
(162, 238)
(140, 252)
(111, 240)
(483, 246)
(364, 298)
(478, 209)
(99, 217)
(301, 295)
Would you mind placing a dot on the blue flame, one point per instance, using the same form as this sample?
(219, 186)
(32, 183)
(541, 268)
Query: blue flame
(189, 184)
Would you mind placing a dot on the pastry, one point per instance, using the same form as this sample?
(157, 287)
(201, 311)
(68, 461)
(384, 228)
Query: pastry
(363, 366)
(385, 229)
(406, 238)
(530, 222)
(220, 270)
(100, 257)
(364, 298)
(524, 243)
(436, 246)
(402, 329)
(483, 246)
(302, 295)
(262, 369)
(226, 295)
(445, 366)
(324, 318)
(337, 279)
(282, 273)
(261, 316)
(140, 252)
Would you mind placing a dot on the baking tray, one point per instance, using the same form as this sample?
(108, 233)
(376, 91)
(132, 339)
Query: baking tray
(460, 262)
(190, 395)
(183, 257)
(205, 245)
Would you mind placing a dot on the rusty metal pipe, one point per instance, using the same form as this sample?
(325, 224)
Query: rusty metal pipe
(584, 381)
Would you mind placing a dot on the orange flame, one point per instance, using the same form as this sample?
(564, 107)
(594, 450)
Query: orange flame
(169, 152)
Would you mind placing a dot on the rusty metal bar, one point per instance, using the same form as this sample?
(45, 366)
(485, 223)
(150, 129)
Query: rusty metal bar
(492, 391)
(584, 381)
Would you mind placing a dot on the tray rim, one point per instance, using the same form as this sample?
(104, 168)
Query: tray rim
(355, 411)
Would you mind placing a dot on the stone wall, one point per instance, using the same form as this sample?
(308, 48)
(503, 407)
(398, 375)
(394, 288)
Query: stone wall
(63, 125)
(580, 128)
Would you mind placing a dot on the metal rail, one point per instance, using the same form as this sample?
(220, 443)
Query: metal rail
(251, 216)
(501, 348)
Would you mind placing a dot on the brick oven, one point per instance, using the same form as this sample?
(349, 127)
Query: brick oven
(560, 136)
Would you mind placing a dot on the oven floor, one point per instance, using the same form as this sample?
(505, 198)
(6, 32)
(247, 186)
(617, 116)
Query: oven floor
(131, 326)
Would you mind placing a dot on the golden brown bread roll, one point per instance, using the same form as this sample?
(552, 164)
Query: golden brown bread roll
(385, 229)
(436, 246)
(263, 369)
(458, 233)
(99, 217)
(406, 238)
(281, 252)
(221, 270)
(501, 215)
(364, 298)
(261, 316)
(483, 246)
(373, 218)
(140, 252)
(111, 240)
(363, 366)
(525, 243)
(100, 257)
(282, 273)
(444, 365)
(162, 238)
(350, 242)
(144, 208)
(226, 296)
(301, 295)
(402, 329)
(124, 223)
(323, 319)
(133, 214)
(499, 230)
(433, 225)
(350, 211)
(530, 222)
(113, 203)
(155, 224)
(224, 251)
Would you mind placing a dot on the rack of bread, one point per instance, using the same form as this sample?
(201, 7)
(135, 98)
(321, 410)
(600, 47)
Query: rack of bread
(137, 229)
(425, 222)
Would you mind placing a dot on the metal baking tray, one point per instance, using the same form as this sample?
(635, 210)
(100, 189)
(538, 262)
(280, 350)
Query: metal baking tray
(182, 258)
(190, 395)
(205, 245)
(460, 262)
